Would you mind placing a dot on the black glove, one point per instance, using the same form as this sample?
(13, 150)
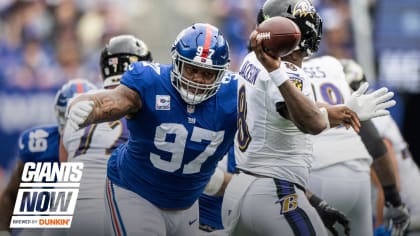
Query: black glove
(330, 215)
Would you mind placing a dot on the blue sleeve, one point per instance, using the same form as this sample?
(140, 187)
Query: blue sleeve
(231, 163)
(139, 76)
(24, 154)
(40, 144)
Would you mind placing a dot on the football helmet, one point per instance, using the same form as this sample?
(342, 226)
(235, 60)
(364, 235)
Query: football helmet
(68, 91)
(117, 55)
(201, 45)
(303, 13)
(354, 73)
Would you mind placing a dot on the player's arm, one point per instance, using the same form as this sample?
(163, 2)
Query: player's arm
(300, 109)
(396, 212)
(103, 106)
(218, 183)
(382, 161)
(341, 115)
(7, 200)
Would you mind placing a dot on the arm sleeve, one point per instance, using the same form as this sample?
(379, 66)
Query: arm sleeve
(372, 140)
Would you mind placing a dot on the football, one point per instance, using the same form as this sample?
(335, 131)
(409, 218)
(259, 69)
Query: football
(280, 36)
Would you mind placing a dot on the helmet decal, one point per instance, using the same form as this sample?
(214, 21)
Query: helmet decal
(304, 8)
(206, 48)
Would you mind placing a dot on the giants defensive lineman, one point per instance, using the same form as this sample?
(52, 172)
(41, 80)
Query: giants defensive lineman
(341, 170)
(94, 144)
(183, 122)
(39, 144)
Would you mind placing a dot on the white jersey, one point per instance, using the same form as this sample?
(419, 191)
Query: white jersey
(388, 129)
(93, 145)
(267, 143)
(336, 145)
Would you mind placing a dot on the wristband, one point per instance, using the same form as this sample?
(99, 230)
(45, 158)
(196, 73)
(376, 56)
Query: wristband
(324, 113)
(215, 183)
(278, 76)
(391, 195)
(315, 200)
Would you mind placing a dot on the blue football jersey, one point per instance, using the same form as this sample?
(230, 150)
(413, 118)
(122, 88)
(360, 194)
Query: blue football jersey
(39, 144)
(173, 147)
(211, 206)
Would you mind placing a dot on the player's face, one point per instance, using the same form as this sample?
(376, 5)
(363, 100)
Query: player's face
(198, 74)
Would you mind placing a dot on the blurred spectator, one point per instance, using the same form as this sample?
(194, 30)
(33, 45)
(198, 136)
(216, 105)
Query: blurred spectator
(237, 19)
(337, 36)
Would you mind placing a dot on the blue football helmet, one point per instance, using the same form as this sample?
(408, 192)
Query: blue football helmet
(201, 45)
(68, 91)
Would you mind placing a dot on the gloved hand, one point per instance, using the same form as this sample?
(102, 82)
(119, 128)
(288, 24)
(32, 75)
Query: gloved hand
(78, 113)
(396, 219)
(330, 215)
(370, 105)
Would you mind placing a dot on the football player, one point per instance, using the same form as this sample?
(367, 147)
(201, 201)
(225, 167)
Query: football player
(39, 144)
(273, 147)
(94, 144)
(405, 168)
(183, 120)
(343, 155)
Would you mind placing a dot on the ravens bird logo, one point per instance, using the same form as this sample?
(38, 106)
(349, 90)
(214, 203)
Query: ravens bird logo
(303, 8)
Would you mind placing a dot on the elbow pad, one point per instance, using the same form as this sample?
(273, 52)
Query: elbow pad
(372, 140)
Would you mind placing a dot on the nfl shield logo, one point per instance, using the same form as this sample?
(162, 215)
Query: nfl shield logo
(190, 108)
(163, 102)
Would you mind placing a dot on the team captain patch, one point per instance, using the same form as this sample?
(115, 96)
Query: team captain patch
(163, 102)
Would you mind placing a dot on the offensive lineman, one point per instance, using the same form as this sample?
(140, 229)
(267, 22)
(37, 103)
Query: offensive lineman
(341, 170)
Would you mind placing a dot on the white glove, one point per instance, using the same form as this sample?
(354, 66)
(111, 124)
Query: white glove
(396, 219)
(78, 113)
(371, 105)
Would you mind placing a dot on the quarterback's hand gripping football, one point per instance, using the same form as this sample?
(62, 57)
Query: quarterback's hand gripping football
(78, 113)
(396, 219)
(370, 105)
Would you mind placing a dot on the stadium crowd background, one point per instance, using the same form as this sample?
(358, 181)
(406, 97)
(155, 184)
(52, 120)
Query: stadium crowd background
(44, 43)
